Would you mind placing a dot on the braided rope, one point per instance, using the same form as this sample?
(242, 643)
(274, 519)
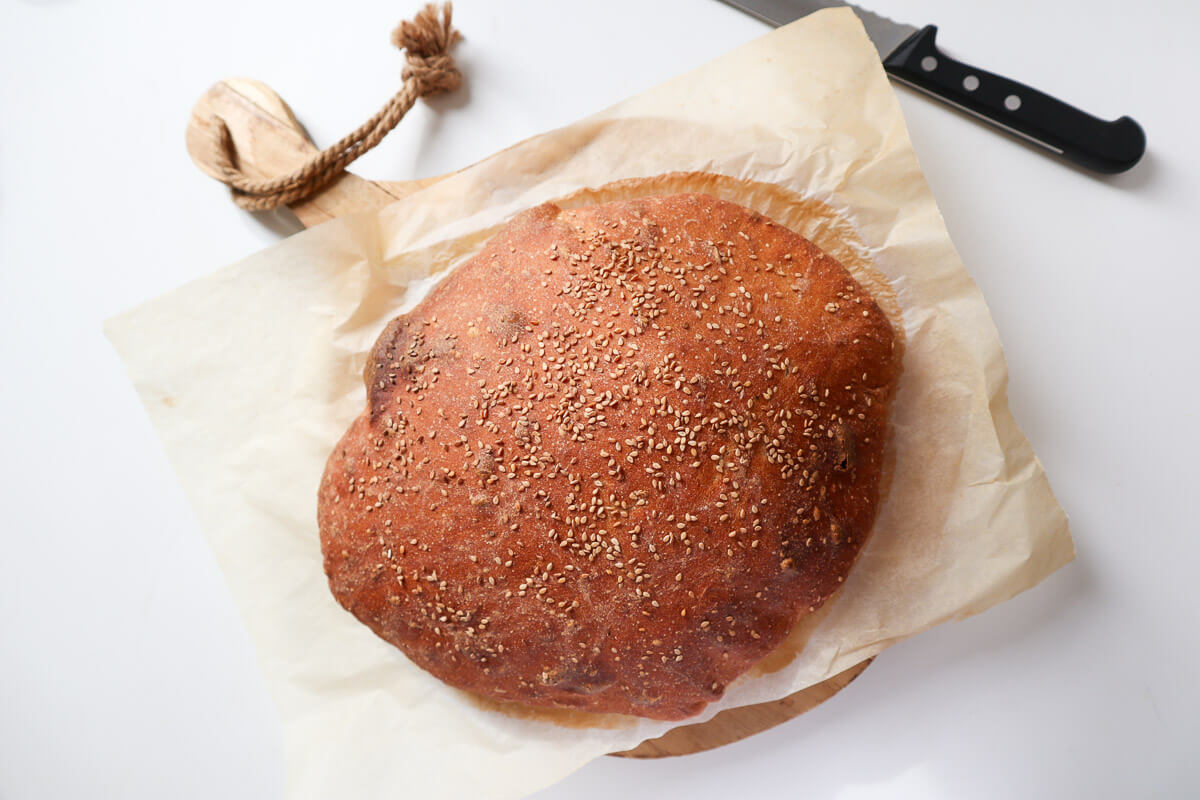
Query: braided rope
(426, 41)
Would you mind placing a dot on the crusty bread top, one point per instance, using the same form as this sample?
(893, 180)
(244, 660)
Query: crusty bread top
(610, 461)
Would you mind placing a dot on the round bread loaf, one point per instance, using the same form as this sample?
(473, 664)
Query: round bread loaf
(610, 461)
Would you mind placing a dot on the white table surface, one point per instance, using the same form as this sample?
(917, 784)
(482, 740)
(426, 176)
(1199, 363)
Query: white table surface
(124, 669)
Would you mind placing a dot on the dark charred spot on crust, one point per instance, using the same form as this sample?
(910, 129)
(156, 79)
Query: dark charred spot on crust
(401, 356)
(845, 454)
(590, 677)
(387, 364)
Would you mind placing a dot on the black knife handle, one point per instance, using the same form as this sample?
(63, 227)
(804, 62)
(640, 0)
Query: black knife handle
(1022, 111)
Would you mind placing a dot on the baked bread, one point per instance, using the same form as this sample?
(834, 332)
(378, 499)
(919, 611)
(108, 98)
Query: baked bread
(609, 462)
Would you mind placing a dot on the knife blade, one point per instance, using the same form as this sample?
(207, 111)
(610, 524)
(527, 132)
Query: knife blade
(910, 55)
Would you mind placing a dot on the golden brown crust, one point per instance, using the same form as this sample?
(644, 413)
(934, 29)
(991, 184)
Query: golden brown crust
(611, 460)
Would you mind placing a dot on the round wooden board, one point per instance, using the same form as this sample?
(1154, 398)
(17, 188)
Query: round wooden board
(736, 724)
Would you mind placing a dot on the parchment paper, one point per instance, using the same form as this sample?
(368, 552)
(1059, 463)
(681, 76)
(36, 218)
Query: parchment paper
(251, 374)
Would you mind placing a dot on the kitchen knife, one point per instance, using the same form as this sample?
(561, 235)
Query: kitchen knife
(911, 56)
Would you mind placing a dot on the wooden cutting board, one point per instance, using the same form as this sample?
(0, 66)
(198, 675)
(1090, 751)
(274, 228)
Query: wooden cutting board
(268, 142)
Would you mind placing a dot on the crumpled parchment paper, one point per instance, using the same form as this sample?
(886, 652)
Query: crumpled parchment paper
(251, 374)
